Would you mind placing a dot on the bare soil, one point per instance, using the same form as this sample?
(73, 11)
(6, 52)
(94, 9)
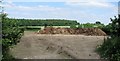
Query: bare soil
(58, 46)
(73, 31)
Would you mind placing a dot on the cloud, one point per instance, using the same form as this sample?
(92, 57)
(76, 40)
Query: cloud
(91, 0)
(30, 8)
(61, 0)
(71, 11)
(9, 1)
(91, 4)
(8, 4)
(48, 8)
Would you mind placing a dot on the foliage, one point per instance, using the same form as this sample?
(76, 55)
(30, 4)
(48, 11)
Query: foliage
(45, 22)
(113, 28)
(73, 26)
(108, 29)
(91, 25)
(97, 22)
(11, 33)
(110, 48)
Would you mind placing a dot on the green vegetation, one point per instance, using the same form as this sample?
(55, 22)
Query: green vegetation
(31, 28)
(110, 49)
(11, 33)
(91, 25)
(41, 22)
(36, 24)
(12, 30)
(112, 28)
(73, 26)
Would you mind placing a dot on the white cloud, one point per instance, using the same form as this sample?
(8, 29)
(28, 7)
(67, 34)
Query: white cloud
(9, 1)
(30, 8)
(46, 11)
(47, 8)
(91, 4)
(61, 0)
(91, 0)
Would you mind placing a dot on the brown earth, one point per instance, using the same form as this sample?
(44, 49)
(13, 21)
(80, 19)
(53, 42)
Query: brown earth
(58, 46)
(82, 31)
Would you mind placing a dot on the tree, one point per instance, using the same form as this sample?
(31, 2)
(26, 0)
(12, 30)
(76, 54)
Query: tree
(11, 33)
(115, 26)
(110, 49)
(97, 22)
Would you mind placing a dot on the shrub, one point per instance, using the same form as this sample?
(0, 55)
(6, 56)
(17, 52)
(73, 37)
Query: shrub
(11, 33)
(110, 49)
(73, 26)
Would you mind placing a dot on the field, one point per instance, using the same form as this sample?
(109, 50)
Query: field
(36, 28)
(67, 42)
(37, 46)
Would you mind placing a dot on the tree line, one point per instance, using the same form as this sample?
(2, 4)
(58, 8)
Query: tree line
(42, 22)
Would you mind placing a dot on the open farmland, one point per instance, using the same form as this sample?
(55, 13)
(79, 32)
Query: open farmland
(52, 30)
(37, 46)
(42, 27)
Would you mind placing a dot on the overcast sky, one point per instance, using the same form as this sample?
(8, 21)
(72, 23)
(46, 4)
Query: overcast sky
(82, 11)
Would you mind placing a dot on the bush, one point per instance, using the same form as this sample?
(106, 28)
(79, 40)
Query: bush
(110, 49)
(73, 26)
(11, 33)
(107, 29)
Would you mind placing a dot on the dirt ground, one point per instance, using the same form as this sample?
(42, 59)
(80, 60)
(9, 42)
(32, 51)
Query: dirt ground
(37, 46)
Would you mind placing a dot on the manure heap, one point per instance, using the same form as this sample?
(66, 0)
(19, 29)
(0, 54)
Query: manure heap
(71, 31)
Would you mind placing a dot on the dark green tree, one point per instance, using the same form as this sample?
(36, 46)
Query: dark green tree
(110, 49)
(11, 33)
(97, 22)
(115, 26)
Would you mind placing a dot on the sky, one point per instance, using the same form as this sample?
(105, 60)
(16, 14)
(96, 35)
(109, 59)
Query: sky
(82, 11)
